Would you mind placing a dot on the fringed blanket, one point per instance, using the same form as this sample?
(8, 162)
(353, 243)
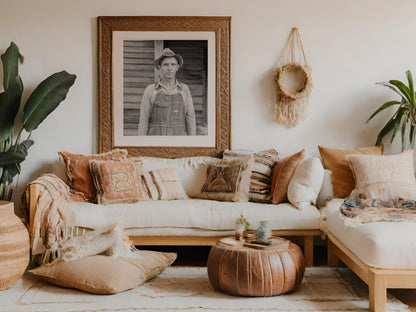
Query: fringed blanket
(374, 210)
(51, 227)
(51, 220)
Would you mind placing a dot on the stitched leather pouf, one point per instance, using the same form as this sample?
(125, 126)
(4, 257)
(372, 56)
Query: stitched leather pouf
(245, 271)
(14, 246)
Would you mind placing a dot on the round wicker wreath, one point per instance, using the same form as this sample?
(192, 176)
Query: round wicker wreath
(305, 84)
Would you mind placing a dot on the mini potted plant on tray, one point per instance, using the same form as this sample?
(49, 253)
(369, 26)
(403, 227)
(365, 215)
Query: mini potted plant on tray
(241, 225)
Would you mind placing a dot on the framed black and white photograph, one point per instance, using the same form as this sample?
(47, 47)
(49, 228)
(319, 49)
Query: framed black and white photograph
(164, 85)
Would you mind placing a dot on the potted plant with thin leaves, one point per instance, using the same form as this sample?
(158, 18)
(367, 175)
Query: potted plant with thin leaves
(404, 117)
(42, 101)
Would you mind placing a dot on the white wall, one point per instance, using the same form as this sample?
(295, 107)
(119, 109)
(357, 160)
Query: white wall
(350, 45)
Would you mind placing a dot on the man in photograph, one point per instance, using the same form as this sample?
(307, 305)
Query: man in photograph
(167, 107)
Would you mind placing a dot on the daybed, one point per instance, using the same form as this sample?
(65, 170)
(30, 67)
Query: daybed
(190, 221)
(382, 254)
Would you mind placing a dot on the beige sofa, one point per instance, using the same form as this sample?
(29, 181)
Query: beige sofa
(192, 221)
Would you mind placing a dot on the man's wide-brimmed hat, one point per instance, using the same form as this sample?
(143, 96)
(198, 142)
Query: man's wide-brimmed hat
(168, 53)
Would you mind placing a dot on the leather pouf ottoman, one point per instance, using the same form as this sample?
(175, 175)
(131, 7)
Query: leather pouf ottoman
(246, 271)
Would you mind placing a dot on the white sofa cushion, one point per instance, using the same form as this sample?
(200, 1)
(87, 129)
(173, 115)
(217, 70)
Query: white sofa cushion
(195, 213)
(385, 245)
(191, 170)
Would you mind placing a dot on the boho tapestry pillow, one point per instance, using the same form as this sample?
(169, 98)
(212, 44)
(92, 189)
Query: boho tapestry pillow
(261, 173)
(106, 275)
(228, 179)
(77, 170)
(384, 177)
(282, 175)
(336, 161)
(118, 181)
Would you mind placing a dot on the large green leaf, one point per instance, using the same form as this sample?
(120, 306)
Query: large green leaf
(403, 136)
(9, 172)
(45, 98)
(411, 88)
(386, 129)
(383, 107)
(10, 160)
(398, 120)
(16, 154)
(412, 135)
(13, 89)
(10, 60)
(403, 89)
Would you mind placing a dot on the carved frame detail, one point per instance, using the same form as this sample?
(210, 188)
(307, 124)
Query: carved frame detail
(218, 24)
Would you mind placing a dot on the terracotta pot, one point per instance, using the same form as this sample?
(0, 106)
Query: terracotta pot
(14, 246)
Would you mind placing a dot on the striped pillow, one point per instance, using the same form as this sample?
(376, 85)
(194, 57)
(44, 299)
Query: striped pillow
(164, 184)
(261, 173)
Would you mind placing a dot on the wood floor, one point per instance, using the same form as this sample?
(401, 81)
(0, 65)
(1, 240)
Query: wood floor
(198, 255)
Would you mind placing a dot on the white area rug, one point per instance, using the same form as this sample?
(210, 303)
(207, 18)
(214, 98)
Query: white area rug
(188, 289)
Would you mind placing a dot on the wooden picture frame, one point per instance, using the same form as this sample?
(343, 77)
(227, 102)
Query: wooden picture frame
(117, 36)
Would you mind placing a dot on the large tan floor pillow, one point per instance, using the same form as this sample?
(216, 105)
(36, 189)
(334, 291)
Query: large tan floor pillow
(106, 275)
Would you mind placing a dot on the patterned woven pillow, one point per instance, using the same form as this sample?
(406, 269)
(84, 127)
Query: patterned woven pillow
(77, 169)
(118, 181)
(164, 184)
(384, 177)
(261, 173)
(228, 179)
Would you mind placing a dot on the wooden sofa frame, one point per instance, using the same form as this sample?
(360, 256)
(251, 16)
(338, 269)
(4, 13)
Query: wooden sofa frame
(378, 280)
(306, 236)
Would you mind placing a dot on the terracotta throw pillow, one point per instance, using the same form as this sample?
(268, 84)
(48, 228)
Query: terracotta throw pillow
(384, 177)
(228, 179)
(77, 169)
(336, 161)
(106, 275)
(283, 172)
(118, 181)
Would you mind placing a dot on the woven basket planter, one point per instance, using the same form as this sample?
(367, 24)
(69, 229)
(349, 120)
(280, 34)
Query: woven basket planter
(14, 246)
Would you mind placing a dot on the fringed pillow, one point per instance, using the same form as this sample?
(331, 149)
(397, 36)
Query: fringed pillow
(164, 184)
(228, 179)
(261, 172)
(118, 181)
(77, 169)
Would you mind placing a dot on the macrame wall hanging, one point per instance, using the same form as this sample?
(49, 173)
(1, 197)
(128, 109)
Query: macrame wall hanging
(293, 81)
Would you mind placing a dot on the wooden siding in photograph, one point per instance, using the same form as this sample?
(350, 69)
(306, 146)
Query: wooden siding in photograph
(138, 74)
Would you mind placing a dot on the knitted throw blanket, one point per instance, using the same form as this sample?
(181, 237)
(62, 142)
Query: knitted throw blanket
(359, 210)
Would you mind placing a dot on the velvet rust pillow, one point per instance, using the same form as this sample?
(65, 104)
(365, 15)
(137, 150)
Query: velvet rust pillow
(336, 160)
(282, 175)
(118, 181)
(77, 170)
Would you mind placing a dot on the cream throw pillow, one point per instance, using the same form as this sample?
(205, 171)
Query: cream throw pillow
(306, 183)
(106, 275)
(384, 177)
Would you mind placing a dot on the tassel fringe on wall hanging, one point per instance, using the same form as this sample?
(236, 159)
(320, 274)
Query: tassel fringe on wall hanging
(293, 82)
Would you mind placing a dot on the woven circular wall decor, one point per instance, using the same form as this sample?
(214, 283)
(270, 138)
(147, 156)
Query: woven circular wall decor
(293, 81)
